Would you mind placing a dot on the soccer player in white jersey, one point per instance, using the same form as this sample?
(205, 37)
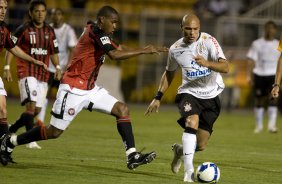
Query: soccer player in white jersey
(276, 86)
(263, 57)
(67, 40)
(201, 59)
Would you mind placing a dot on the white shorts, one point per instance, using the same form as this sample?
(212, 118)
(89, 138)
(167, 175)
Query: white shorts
(33, 90)
(70, 102)
(2, 89)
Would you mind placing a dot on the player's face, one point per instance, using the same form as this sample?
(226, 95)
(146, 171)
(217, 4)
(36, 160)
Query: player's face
(270, 31)
(191, 30)
(57, 17)
(38, 15)
(110, 23)
(3, 9)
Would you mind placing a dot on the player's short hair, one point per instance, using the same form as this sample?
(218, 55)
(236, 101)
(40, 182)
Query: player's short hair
(53, 10)
(106, 11)
(272, 23)
(34, 3)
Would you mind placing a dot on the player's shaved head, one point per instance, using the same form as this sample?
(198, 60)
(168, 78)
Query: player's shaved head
(188, 18)
(190, 27)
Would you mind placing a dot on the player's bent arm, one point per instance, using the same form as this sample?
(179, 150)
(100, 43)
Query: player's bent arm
(221, 66)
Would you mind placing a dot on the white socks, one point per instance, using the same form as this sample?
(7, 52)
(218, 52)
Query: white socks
(189, 145)
(272, 115)
(41, 115)
(130, 150)
(259, 117)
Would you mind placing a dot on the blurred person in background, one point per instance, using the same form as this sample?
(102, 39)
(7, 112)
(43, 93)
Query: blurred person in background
(201, 60)
(39, 40)
(7, 42)
(263, 57)
(78, 90)
(67, 40)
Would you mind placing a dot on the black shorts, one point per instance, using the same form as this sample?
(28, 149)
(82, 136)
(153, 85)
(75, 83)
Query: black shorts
(208, 110)
(52, 83)
(263, 85)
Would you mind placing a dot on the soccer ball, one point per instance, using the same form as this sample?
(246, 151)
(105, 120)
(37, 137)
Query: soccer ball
(207, 172)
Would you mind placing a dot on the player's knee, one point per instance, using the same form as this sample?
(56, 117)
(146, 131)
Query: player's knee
(123, 110)
(53, 132)
(3, 112)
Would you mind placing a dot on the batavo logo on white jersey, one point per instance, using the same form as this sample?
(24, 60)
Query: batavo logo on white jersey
(38, 51)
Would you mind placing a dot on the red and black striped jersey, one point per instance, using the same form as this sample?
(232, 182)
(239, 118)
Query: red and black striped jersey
(39, 43)
(5, 37)
(88, 56)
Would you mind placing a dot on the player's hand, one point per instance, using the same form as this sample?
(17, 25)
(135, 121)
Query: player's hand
(58, 74)
(200, 60)
(150, 49)
(153, 107)
(40, 63)
(7, 75)
(275, 92)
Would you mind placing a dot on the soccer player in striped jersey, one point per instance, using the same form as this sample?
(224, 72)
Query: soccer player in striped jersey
(7, 42)
(79, 91)
(67, 40)
(38, 39)
(201, 60)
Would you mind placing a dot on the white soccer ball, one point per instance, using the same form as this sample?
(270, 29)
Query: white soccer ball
(207, 172)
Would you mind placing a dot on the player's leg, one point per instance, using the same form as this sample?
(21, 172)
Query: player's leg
(52, 83)
(189, 110)
(63, 112)
(3, 116)
(272, 108)
(259, 102)
(102, 101)
(29, 95)
(272, 111)
(3, 110)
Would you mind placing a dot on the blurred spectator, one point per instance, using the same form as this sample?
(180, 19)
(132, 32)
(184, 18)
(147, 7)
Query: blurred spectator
(18, 13)
(218, 7)
(78, 3)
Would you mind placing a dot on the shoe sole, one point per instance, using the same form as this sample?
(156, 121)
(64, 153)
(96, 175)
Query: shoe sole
(147, 160)
(4, 161)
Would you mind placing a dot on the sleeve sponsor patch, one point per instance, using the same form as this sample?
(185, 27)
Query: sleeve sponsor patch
(15, 39)
(105, 40)
(55, 43)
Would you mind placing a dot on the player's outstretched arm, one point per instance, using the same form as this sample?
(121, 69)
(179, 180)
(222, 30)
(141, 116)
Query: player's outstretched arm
(55, 61)
(276, 85)
(17, 51)
(123, 53)
(165, 82)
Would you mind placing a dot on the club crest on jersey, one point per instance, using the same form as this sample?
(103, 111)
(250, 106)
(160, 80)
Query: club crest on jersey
(187, 107)
(14, 39)
(105, 40)
(71, 111)
(34, 93)
(46, 36)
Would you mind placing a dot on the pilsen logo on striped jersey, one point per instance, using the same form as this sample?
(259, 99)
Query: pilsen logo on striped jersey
(38, 51)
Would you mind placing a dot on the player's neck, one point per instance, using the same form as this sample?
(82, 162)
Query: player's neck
(58, 25)
(38, 25)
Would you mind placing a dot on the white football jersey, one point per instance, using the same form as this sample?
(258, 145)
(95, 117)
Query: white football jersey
(197, 80)
(66, 38)
(265, 55)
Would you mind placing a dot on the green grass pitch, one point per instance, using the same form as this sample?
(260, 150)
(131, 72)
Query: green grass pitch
(91, 151)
